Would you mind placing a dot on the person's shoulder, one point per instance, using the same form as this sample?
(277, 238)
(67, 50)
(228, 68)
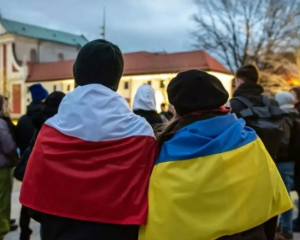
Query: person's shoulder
(3, 124)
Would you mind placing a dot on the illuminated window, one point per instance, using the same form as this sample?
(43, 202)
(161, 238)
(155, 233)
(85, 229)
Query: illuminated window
(149, 83)
(54, 88)
(69, 87)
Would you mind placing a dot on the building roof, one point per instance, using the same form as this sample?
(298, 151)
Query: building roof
(135, 64)
(31, 31)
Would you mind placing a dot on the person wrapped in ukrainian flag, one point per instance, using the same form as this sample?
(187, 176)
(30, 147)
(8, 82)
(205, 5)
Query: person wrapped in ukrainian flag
(213, 178)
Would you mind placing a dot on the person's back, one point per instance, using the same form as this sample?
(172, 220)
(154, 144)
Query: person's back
(144, 105)
(97, 157)
(210, 171)
(260, 112)
(25, 128)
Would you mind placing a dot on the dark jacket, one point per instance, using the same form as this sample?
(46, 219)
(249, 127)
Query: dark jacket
(168, 115)
(253, 92)
(25, 128)
(59, 228)
(152, 117)
(290, 144)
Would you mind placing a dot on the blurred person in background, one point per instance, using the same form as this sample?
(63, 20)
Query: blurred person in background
(296, 93)
(285, 160)
(144, 105)
(296, 155)
(97, 157)
(210, 171)
(168, 114)
(8, 159)
(25, 128)
(49, 110)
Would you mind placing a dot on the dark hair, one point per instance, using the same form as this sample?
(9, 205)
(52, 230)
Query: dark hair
(163, 105)
(297, 91)
(248, 73)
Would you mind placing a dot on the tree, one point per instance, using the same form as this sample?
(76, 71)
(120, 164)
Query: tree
(248, 31)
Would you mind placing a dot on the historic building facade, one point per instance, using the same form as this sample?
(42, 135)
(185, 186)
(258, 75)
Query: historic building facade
(30, 54)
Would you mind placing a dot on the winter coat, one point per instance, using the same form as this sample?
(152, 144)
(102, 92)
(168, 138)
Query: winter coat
(71, 229)
(25, 128)
(144, 105)
(7, 144)
(251, 91)
(290, 142)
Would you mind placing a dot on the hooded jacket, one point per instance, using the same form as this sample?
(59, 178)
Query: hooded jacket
(144, 105)
(25, 128)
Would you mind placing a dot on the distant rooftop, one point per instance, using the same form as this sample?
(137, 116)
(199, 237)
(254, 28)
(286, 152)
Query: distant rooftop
(27, 30)
(135, 63)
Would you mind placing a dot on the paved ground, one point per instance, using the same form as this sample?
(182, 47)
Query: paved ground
(35, 225)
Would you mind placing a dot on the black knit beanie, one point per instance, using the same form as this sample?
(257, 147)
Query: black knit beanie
(100, 62)
(195, 90)
(248, 73)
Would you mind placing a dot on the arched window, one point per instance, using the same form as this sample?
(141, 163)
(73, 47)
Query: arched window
(60, 57)
(33, 57)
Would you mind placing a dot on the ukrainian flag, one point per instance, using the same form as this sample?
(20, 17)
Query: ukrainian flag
(213, 178)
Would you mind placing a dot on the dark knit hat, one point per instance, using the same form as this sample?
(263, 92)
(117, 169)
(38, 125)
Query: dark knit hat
(38, 92)
(54, 99)
(195, 90)
(100, 62)
(248, 73)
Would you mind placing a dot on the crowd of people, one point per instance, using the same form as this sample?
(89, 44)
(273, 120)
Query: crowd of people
(205, 167)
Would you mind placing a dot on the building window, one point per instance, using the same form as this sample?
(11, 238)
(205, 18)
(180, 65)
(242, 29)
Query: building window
(69, 87)
(126, 85)
(149, 83)
(54, 88)
(162, 84)
(27, 90)
(60, 57)
(33, 57)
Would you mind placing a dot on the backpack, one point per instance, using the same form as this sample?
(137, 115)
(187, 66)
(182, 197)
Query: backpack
(268, 122)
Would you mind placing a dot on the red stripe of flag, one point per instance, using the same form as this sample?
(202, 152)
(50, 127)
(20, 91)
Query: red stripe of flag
(93, 181)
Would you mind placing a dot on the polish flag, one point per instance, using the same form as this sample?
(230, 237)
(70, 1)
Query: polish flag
(92, 161)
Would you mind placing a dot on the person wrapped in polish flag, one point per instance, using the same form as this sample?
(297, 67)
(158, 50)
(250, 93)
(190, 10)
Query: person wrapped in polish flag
(87, 176)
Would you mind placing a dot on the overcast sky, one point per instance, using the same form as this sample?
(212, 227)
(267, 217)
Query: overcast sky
(135, 25)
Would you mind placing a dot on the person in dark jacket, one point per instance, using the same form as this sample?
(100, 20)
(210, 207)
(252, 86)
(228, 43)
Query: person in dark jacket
(168, 114)
(296, 153)
(284, 162)
(8, 154)
(144, 105)
(210, 171)
(246, 82)
(25, 128)
(49, 110)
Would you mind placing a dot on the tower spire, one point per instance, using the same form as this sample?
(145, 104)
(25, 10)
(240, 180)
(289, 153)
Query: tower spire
(103, 27)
